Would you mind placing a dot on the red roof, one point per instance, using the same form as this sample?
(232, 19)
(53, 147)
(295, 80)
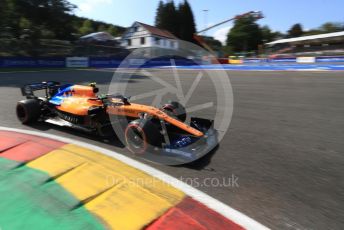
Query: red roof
(157, 31)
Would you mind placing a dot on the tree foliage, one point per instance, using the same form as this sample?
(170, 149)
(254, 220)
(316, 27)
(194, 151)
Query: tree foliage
(113, 30)
(295, 31)
(328, 27)
(86, 27)
(212, 43)
(160, 15)
(37, 19)
(245, 35)
(167, 17)
(268, 35)
(178, 20)
(52, 15)
(187, 26)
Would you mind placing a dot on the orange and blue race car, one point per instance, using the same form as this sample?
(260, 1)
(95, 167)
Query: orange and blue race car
(159, 134)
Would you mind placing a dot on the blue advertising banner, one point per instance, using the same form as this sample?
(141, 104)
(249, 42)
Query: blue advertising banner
(114, 62)
(283, 60)
(27, 62)
(137, 62)
(104, 62)
(169, 62)
(330, 59)
(255, 60)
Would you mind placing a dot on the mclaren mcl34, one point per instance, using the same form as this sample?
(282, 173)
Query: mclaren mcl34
(160, 133)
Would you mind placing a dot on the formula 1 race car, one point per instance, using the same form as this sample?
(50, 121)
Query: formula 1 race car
(144, 129)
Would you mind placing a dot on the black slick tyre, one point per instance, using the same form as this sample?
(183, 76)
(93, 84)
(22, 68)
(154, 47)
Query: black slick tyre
(28, 110)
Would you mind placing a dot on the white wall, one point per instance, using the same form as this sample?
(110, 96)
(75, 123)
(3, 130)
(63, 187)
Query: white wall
(165, 43)
(149, 39)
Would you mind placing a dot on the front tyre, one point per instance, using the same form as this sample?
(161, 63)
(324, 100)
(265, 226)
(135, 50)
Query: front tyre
(28, 110)
(141, 134)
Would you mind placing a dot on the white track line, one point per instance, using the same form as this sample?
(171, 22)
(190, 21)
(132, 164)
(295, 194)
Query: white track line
(209, 201)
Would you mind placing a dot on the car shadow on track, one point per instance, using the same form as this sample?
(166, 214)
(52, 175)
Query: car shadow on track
(201, 163)
(110, 141)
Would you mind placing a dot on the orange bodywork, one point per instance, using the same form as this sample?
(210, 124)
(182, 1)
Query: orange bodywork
(78, 103)
(133, 110)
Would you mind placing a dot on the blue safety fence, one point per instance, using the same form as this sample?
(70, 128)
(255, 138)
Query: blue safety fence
(93, 62)
(265, 67)
(115, 62)
(138, 62)
(104, 62)
(330, 59)
(265, 60)
(27, 62)
(291, 60)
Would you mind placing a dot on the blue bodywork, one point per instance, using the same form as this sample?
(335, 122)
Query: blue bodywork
(63, 92)
(181, 141)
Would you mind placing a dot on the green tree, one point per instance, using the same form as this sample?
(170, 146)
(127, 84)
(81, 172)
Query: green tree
(172, 19)
(267, 34)
(101, 28)
(226, 51)
(112, 30)
(330, 27)
(159, 17)
(212, 43)
(187, 27)
(86, 27)
(24, 23)
(179, 21)
(313, 32)
(245, 35)
(295, 31)
(10, 13)
(52, 15)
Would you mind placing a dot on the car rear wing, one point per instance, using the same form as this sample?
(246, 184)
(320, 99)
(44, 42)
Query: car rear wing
(28, 90)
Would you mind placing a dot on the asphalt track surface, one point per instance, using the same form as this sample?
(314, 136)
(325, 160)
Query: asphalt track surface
(285, 141)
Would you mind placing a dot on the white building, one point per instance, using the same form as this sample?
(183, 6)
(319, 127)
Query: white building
(141, 35)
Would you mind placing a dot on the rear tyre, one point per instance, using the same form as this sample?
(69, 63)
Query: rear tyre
(142, 134)
(175, 109)
(28, 110)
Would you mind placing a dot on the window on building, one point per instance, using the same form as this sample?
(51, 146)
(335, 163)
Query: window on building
(157, 41)
(136, 28)
(129, 42)
(142, 41)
